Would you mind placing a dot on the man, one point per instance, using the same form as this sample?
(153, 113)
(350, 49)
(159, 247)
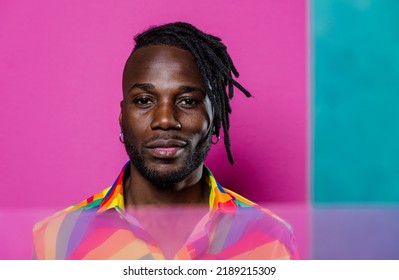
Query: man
(166, 204)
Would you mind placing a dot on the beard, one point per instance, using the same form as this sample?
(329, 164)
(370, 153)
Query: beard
(165, 181)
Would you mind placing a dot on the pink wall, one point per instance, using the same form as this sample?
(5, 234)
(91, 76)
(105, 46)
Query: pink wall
(60, 87)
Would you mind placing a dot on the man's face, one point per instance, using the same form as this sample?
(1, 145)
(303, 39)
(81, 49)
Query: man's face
(166, 117)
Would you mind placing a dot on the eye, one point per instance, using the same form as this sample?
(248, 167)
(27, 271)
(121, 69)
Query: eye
(143, 101)
(189, 102)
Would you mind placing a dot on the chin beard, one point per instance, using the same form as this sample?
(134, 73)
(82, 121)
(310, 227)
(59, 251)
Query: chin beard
(165, 181)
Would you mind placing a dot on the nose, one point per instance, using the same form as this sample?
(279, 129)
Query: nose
(165, 117)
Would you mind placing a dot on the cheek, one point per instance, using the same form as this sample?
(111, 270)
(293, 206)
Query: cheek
(135, 125)
(198, 125)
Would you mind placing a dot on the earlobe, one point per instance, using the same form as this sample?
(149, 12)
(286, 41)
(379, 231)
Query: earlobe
(216, 135)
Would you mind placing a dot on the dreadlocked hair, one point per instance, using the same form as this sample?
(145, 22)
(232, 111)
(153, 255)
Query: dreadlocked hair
(214, 62)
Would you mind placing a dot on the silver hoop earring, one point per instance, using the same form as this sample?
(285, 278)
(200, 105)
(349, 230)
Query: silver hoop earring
(121, 138)
(217, 140)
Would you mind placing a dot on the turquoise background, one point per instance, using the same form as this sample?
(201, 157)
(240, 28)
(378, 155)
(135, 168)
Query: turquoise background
(355, 69)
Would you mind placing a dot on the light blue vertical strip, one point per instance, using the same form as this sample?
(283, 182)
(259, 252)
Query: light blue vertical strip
(355, 171)
(355, 101)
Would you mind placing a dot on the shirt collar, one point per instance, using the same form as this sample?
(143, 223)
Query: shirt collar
(218, 197)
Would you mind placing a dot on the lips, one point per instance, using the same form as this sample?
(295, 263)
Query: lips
(166, 143)
(166, 148)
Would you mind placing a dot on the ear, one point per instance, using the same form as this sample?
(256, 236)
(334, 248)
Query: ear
(120, 114)
(216, 132)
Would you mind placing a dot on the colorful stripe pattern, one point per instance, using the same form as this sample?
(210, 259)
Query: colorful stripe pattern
(100, 228)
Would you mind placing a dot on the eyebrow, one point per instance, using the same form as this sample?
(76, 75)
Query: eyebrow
(191, 89)
(144, 86)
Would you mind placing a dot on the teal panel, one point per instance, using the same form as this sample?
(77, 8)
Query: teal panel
(355, 100)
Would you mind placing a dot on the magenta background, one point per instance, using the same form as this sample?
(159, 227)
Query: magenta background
(60, 86)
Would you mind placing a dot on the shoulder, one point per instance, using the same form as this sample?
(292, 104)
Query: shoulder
(244, 203)
(269, 232)
(46, 233)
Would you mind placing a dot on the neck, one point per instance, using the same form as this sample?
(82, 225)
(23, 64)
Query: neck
(138, 191)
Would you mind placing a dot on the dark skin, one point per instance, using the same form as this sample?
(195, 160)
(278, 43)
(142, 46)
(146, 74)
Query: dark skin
(163, 100)
(164, 97)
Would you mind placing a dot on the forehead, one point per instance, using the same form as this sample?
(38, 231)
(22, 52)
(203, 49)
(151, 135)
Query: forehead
(160, 62)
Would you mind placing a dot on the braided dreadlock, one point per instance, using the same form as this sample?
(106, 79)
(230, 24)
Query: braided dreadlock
(214, 63)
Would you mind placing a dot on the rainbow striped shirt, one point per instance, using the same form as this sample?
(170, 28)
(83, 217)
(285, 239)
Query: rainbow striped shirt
(100, 228)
